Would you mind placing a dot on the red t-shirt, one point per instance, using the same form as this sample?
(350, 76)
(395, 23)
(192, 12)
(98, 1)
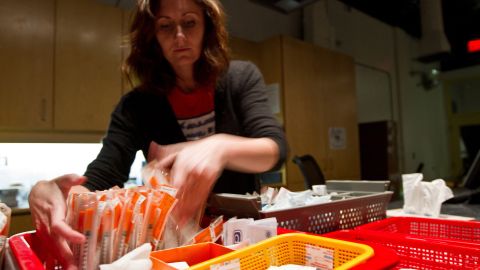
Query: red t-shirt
(195, 111)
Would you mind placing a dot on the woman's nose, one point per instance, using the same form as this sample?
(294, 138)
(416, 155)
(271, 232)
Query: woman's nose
(179, 33)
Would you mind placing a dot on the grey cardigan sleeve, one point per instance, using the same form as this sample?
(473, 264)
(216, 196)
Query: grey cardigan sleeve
(257, 119)
(112, 165)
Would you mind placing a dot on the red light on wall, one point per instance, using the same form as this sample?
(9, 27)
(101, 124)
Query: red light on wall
(473, 45)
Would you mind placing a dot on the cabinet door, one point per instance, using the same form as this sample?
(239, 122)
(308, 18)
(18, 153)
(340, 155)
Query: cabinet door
(340, 106)
(87, 64)
(320, 110)
(26, 64)
(127, 18)
(304, 113)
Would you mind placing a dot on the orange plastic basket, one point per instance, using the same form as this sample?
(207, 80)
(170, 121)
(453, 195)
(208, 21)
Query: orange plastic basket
(191, 254)
(290, 249)
(384, 258)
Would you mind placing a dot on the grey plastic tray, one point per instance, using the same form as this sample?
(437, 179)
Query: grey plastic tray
(347, 210)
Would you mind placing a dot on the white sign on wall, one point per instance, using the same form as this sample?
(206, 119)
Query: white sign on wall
(337, 138)
(273, 96)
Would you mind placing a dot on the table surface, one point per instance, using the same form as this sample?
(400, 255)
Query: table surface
(457, 209)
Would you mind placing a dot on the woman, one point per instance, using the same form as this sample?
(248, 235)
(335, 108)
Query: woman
(204, 118)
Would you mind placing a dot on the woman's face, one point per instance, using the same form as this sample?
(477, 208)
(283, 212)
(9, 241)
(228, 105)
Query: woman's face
(180, 27)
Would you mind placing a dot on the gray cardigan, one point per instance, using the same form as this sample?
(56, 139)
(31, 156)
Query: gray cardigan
(240, 109)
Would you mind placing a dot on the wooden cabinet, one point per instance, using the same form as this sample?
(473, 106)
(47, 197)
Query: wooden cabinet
(87, 64)
(318, 104)
(127, 18)
(60, 63)
(243, 49)
(26, 64)
(21, 221)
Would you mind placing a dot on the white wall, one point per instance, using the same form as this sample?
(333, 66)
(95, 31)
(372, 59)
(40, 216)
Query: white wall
(423, 115)
(27, 163)
(374, 86)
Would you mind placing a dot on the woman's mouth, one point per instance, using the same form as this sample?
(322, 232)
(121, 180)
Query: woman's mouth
(181, 49)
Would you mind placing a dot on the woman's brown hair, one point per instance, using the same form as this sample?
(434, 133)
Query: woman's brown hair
(148, 67)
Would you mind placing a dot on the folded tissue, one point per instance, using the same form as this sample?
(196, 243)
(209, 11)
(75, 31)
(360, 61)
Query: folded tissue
(424, 198)
(138, 259)
(285, 199)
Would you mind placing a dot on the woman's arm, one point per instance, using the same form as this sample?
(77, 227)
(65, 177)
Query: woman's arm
(252, 155)
(250, 103)
(112, 165)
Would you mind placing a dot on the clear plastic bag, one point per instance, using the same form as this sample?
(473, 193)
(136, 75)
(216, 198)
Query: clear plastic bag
(176, 233)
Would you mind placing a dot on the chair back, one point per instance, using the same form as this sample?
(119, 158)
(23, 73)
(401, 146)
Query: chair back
(310, 170)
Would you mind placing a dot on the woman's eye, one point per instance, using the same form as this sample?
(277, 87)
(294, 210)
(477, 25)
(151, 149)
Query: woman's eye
(165, 26)
(189, 23)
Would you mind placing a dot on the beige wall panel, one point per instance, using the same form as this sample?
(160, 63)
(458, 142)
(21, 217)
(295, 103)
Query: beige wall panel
(303, 111)
(26, 63)
(243, 49)
(271, 61)
(49, 136)
(21, 222)
(267, 56)
(127, 17)
(87, 64)
(339, 104)
(319, 93)
(271, 65)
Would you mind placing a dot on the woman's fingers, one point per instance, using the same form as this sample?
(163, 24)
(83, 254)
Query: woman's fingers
(66, 182)
(166, 162)
(58, 209)
(48, 206)
(59, 227)
(65, 255)
(193, 192)
(194, 167)
(153, 150)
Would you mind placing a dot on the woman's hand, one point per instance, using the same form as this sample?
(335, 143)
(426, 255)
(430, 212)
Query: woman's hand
(194, 168)
(47, 201)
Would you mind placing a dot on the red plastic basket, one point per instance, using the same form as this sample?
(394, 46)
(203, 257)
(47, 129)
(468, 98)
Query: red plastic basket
(384, 258)
(418, 253)
(448, 231)
(23, 251)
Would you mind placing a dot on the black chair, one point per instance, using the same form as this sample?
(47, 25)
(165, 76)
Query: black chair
(311, 172)
(469, 189)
